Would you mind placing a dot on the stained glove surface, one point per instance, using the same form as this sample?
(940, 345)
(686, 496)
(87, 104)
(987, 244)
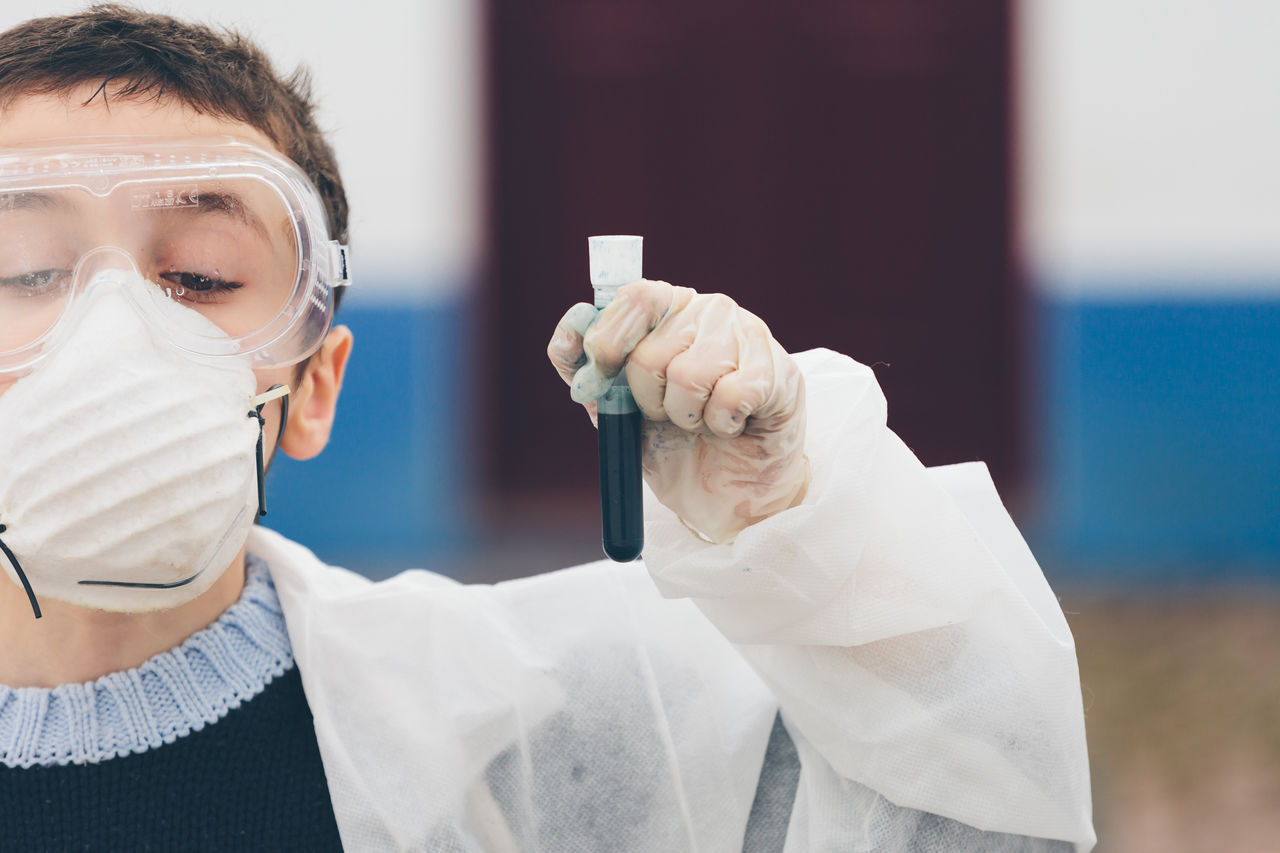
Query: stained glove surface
(723, 402)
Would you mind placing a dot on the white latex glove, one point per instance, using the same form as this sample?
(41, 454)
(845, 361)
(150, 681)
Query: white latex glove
(723, 401)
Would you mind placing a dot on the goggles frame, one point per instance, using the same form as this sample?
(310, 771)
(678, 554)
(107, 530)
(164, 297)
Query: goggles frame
(102, 165)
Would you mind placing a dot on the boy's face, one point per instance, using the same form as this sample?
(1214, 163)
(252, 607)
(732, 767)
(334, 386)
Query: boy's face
(62, 116)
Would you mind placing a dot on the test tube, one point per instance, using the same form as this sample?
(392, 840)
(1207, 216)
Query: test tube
(615, 261)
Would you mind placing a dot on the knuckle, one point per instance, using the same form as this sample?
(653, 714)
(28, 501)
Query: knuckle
(630, 293)
(732, 399)
(651, 409)
(646, 361)
(753, 325)
(577, 319)
(743, 394)
(652, 296)
(556, 351)
(605, 349)
(724, 424)
(633, 289)
(681, 296)
(787, 367)
(562, 350)
(719, 302)
(683, 373)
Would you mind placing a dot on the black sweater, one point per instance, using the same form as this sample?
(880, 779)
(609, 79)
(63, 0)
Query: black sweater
(251, 781)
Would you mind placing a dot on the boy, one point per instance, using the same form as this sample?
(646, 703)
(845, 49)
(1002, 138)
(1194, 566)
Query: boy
(861, 653)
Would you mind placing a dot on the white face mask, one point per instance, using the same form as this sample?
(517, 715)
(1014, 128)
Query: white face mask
(128, 479)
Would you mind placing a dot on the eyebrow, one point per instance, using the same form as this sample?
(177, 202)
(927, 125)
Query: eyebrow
(23, 200)
(222, 203)
(228, 204)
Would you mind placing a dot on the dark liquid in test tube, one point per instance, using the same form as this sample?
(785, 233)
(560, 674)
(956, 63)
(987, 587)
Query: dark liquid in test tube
(622, 520)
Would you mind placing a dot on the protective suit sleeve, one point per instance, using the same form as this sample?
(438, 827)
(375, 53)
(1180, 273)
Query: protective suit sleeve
(912, 642)
(868, 821)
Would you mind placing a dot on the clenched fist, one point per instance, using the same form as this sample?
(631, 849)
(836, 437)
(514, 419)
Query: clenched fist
(723, 402)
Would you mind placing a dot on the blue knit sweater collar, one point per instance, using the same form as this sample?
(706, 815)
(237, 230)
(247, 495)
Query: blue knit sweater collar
(170, 695)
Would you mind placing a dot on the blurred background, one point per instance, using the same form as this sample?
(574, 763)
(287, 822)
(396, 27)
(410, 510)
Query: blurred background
(1053, 227)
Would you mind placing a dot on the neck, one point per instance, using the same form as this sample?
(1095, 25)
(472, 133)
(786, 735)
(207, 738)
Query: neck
(72, 644)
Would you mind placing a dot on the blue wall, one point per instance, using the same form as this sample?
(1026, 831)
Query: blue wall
(1159, 433)
(390, 490)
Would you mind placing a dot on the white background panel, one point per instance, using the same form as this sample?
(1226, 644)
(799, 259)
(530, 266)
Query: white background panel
(399, 83)
(1150, 145)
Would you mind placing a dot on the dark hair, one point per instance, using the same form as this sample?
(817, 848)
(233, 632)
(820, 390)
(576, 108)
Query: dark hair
(135, 54)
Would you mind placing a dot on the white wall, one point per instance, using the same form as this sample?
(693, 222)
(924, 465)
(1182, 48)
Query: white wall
(1150, 146)
(399, 84)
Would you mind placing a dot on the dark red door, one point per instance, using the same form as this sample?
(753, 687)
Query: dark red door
(841, 168)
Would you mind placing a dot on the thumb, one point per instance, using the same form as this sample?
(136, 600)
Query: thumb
(636, 310)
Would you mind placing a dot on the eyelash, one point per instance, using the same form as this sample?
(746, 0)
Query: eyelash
(189, 286)
(192, 287)
(34, 283)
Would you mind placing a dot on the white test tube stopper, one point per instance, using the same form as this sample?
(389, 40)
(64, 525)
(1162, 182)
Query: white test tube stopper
(615, 260)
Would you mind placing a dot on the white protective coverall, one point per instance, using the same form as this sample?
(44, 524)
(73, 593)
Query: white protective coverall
(918, 657)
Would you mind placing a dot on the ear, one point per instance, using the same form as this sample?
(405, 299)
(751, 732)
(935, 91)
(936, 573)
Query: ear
(314, 402)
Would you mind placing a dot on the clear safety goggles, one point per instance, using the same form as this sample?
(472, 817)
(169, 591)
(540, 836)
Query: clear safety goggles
(218, 225)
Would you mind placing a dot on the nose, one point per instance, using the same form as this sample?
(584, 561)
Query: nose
(103, 258)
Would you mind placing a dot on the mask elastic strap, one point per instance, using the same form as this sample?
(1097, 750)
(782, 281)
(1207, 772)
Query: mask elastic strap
(280, 392)
(22, 576)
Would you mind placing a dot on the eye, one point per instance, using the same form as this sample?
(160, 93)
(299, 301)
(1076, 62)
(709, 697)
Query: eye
(33, 283)
(196, 287)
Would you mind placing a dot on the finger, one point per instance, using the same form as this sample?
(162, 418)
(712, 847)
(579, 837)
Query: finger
(712, 352)
(784, 400)
(647, 366)
(692, 376)
(740, 394)
(787, 392)
(565, 347)
(636, 310)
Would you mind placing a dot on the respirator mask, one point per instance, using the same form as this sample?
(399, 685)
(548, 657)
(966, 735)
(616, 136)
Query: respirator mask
(142, 281)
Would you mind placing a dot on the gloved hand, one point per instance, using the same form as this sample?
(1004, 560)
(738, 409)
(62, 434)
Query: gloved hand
(723, 402)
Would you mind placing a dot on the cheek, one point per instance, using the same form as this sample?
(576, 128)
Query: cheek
(276, 376)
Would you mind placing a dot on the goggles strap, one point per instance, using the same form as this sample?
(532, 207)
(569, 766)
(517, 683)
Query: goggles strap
(280, 392)
(13, 561)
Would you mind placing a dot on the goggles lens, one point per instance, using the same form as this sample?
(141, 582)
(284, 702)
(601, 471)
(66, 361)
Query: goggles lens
(230, 231)
(228, 250)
